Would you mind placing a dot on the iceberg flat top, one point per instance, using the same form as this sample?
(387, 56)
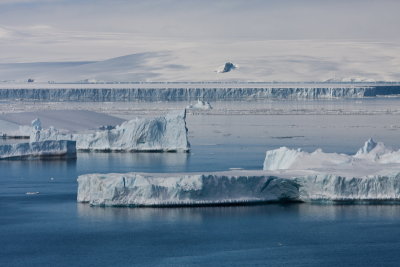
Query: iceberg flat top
(372, 158)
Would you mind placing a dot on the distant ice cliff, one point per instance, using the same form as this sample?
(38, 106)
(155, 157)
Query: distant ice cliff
(222, 93)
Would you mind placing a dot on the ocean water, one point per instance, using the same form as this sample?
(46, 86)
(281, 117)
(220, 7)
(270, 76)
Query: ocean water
(51, 229)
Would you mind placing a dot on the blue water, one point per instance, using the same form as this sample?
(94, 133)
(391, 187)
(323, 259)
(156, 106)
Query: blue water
(51, 229)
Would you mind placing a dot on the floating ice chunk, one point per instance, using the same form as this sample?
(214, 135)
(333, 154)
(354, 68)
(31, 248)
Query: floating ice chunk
(32, 193)
(234, 187)
(168, 133)
(371, 153)
(44, 149)
(200, 105)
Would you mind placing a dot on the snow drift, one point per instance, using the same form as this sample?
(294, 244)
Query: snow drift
(45, 149)
(168, 133)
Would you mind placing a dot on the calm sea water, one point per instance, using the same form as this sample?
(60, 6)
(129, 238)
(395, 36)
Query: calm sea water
(51, 229)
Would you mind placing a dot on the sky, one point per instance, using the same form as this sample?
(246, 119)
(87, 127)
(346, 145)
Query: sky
(92, 30)
(212, 19)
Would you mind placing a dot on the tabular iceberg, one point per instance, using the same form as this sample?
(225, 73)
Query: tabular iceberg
(134, 189)
(45, 149)
(168, 133)
(243, 187)
(372, 174)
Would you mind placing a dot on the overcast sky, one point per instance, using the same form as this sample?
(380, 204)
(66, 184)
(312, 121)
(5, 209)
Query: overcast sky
(27, 26)
(265, 19)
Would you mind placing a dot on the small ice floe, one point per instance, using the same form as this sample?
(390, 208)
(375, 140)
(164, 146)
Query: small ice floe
(200, 105)
(32, 193)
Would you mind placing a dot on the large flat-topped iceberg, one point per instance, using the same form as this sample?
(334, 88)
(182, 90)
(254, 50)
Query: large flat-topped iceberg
(46, 149)
(167, 133)
(133, 189)
(371, 155)
(234, 187)
(372, 174)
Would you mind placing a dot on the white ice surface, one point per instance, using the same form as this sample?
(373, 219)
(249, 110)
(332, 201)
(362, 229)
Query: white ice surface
(44, 149)
(169, 60)
(166, 133)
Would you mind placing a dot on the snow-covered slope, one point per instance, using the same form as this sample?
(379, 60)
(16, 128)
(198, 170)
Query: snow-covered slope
(239, 187)
(168, 133)
(371, 154)
(46, 149)
(178, 60)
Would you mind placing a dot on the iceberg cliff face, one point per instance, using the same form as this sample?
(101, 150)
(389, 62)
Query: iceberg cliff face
(145, 190)
(167, 133)
(370, 155)
(341, 188)
(134, 189)
(45, 149)
(183, 94)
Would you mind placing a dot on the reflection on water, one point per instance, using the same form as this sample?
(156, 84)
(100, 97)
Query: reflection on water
(125, 162)
(339, 211)
(36, 169)
(139, 214)
(303, 212)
